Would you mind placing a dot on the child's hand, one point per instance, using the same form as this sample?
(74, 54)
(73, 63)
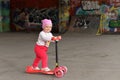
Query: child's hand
(59, 37)
(56, 38)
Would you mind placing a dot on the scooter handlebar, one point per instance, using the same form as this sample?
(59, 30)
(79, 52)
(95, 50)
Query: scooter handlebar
(56, 38)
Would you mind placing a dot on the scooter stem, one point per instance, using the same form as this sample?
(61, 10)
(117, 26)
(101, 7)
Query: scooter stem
(56, 50)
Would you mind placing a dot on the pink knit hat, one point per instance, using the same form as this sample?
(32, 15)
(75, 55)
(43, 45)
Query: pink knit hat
(46, 22)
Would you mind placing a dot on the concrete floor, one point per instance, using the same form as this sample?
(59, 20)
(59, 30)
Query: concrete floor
(87, 56)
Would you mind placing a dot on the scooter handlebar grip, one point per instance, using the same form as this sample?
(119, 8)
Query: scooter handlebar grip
(59, 37)
(54, 38)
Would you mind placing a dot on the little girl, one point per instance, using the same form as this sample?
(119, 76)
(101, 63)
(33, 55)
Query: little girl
(42, 44)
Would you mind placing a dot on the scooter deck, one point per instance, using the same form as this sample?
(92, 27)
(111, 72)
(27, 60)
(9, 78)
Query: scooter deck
(30, 70)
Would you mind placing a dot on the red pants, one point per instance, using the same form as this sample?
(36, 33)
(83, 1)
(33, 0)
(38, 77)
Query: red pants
(41, 55)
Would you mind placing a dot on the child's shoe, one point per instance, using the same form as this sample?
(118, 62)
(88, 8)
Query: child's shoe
(45, 69)
(36, 68)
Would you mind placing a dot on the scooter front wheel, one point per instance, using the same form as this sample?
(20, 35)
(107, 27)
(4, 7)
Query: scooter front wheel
(58, 73)
(64, 69)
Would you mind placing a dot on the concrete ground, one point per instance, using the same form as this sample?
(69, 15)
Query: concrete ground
(87, 56)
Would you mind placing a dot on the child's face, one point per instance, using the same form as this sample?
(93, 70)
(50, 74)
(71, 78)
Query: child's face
(47, 29)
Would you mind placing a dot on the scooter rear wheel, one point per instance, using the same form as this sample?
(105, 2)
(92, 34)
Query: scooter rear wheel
(29, 69)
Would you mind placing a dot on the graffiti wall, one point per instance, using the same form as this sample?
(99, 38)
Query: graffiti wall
(88, 8)
(90, 5)
(64, 6)
(86, 14)
(110, 19)
(0, 18)
(4, 15)
(83, 22)
(31, 18)
(27, 14)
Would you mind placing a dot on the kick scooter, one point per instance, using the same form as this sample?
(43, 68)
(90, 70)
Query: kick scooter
(58, 71)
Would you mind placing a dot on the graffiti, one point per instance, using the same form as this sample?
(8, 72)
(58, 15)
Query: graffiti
(64, 15)
(81, 21)
(5, 4)
(90, 5)
(109, 21)
(114, 24)
(4, 15)
(36, 15)
(1, 18)
(75, 3)
(85, 22)
(116, 3)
